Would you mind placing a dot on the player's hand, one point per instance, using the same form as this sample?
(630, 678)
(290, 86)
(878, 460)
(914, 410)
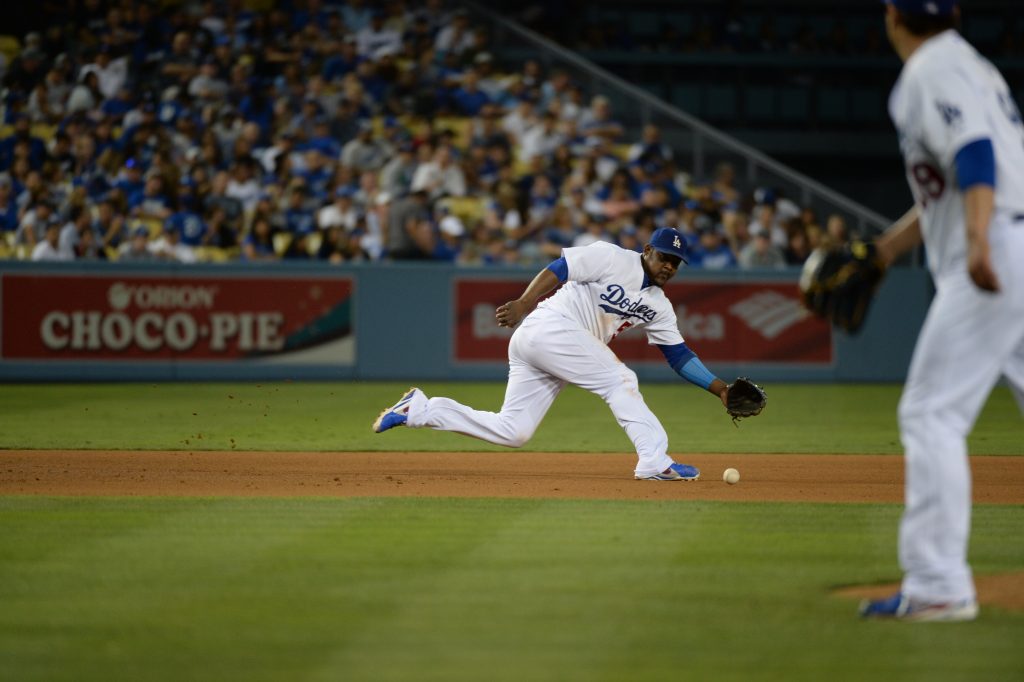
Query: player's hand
(510, 314)
(979, 265)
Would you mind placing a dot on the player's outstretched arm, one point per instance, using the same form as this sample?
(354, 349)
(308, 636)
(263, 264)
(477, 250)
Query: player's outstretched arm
(512, 313)
(687, 365)
(903, 236)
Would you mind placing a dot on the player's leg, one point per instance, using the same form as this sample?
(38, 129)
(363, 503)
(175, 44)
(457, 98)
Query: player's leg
(967, 341)
(577, 357)
(1014, 373)
(528, 396)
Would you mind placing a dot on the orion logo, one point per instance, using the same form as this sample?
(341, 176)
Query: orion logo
(145, 296)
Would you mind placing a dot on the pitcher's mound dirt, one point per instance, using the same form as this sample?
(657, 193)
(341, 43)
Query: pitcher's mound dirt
(1001, 590)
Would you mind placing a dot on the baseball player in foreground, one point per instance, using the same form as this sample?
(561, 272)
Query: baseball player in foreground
(963, 146)
(606, 291)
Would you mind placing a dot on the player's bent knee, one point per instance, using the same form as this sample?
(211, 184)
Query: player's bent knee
(519, 439)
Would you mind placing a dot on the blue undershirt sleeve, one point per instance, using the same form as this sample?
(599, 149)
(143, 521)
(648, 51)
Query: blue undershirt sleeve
(976, 164)
(560, 268)
(687, 365)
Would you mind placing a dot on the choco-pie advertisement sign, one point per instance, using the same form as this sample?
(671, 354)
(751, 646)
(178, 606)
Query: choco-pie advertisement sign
(748, 322)
(184, 317)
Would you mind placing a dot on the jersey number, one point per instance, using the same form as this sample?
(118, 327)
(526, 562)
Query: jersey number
(929, 181)
(622, 327)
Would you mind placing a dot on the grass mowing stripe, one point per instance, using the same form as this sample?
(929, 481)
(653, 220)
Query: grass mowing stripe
(848, 418)
(467, 589)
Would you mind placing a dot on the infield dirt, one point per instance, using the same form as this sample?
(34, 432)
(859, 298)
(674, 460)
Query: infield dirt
(765, 478)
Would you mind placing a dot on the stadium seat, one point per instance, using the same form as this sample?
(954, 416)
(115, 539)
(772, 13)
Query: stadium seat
(467, 209)
(282, 240)
(687, 98)
(460, 125)
(832, 105)
(867, 104)
(10, 46)
(794, 104)
(759, 103)
(720, 103)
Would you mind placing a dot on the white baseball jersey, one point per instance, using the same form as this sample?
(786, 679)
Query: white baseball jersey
(948, 96)
(605, 295)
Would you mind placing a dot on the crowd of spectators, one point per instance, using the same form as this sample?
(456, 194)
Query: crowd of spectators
(339, 132)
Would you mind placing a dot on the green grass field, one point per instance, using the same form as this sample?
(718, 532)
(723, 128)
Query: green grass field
(469, 589)
(337, 417)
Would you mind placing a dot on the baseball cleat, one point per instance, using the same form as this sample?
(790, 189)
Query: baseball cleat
(396, 415)
(675, 472)
(900, 607)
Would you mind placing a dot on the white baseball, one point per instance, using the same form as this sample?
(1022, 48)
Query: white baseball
(731, 476)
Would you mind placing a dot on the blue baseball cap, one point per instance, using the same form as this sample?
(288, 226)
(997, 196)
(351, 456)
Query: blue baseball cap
(671, 241)
(932, 8)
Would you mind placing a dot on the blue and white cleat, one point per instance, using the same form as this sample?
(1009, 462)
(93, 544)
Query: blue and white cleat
(396, 415)
(900, 607)
(675, 472)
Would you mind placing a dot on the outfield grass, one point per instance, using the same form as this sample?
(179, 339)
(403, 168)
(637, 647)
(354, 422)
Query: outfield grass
(337, 416)
(404, 589)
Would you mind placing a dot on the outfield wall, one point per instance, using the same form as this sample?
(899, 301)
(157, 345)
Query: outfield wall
(405, 322)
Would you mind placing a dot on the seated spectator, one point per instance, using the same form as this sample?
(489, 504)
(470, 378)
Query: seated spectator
(541, 139)
(440, 176)
(761, 253)
(594, 230)
(152, 202)
(397, 174)
(258, 245)
(298, 216)
(221, 230)
(650, 148)
(170, 247)
(445, 242)
(405, 219)
(598, 122)
(342, 212)
(457, 36)
(469, 99)
(136, 248)
(799, 246)
(35, 222)
(766, 220)
(363, 152)
(712, 251)
(8, 205)
(376, 37)
(836, 232)
(48, 248)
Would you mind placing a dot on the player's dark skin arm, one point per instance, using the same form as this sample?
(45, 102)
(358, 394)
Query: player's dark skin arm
(512, 313)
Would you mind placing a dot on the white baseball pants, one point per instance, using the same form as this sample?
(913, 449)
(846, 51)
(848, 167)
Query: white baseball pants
(545, 353)
(969, 339)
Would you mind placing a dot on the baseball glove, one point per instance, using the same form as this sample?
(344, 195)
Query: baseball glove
(744, 399)
(838, 285)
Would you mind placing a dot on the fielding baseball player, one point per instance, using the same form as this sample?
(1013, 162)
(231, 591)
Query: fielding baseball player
(565, 340)
(963, 145)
